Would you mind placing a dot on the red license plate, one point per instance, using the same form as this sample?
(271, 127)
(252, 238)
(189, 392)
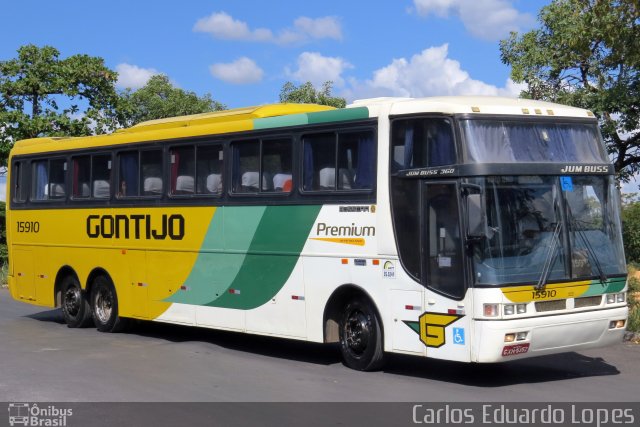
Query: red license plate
(512, 350)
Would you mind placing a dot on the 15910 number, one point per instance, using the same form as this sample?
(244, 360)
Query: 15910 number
(28, 226)
(544, 294)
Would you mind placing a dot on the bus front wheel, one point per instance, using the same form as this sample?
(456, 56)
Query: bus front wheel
(104, 306)
(75, 306)
(361, 336)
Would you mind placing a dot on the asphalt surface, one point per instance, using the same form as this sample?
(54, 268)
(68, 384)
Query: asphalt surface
(43, 360)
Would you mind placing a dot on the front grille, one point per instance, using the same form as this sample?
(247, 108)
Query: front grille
(588, 301)
(560, 304)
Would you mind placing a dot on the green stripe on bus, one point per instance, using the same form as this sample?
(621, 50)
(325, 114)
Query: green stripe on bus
(612, 285)
(213, 272)
(281, 121)
(283, 232)
(338, 115)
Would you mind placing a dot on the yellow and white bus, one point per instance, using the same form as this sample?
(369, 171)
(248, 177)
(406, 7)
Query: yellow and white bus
(473, 229)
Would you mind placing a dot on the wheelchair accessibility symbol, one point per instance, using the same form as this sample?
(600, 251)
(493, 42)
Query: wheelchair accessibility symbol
(458, 336)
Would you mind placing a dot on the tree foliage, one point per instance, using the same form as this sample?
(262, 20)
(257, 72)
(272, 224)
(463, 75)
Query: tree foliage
(586, 53)
(307, 94)
(631, 229)
(159, 99)
(42, 94)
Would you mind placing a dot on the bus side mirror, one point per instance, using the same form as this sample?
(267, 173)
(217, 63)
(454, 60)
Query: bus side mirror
(475, 217)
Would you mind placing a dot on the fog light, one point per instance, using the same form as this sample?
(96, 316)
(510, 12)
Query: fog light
(491, 310)
(521, 308)
(508, 309)
(620, 297)
(611, 298)
(521, 336)
(617, 324)
(509, 337)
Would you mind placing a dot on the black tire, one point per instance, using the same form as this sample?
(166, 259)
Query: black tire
(104, 306)
(361, 341)
(76, 310)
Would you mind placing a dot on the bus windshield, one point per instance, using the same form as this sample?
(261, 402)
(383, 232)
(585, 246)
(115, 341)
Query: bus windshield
(571, 221)
(503, 141)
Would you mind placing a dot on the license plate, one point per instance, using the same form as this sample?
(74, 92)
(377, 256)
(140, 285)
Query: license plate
(512, 350)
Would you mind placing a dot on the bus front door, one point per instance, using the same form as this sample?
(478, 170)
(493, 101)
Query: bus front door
(445, 324)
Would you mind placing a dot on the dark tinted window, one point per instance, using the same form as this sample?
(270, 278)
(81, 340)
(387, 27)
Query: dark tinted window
(420, 143)
(338, 161)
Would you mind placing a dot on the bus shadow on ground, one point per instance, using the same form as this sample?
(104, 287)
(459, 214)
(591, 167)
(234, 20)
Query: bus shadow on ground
(558, 367)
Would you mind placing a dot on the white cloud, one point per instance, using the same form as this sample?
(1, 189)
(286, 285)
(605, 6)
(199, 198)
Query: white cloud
(132, 76)
(317, 69)
(429, 73)
(486, 19)
(223, 26)
(240, 71)
(319, 28)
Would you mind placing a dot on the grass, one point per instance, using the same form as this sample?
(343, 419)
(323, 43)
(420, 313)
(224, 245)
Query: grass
(3, 276)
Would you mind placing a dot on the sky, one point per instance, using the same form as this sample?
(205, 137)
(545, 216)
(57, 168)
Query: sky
(242, 52)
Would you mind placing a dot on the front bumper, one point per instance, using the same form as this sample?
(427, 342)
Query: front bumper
(547, 335)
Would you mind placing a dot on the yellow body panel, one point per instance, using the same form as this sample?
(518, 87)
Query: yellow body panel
(144, 270)
(528, 293)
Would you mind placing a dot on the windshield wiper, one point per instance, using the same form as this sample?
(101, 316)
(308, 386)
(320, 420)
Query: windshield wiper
(549, 259)
(576, 227)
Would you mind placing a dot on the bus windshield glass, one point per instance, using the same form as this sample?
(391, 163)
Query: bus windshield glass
(570, 223)
(503, 141)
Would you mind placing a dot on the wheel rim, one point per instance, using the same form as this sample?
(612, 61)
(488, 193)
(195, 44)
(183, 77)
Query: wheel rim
(104, 305)
(72, 298)
(357, 332)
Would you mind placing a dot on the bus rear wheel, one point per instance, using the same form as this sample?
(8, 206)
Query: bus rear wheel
(361, 336)
(75, 306)
(104, 306)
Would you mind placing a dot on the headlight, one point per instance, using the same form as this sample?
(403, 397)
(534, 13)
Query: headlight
(509, 309)
(491, 310)
(521, 308)
(616, 298)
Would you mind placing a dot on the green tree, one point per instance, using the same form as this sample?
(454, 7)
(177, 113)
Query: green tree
(44, 95)
(307, 94)
(586, 53)
(631, 230)
(159, 99)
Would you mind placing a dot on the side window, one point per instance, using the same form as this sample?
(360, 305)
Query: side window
(81, 170)
(262, 166)
(151, 169)
(209, 171)
(183, 170)
(48, 179)
(39, 180)
(246, 167)
(339, 161)
(128, 174)
(420, 143)
(101, 176)
(276, 165)
(19, 182)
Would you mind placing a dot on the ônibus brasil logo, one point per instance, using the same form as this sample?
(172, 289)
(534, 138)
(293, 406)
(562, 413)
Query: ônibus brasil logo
(27, 414)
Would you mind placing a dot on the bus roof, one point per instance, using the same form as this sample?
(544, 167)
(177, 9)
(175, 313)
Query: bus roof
(217, 122)
(280, 115)
(472, 105)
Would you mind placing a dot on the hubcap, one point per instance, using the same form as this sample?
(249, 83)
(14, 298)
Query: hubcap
(104, 305)
(72, 299)
(357, 331)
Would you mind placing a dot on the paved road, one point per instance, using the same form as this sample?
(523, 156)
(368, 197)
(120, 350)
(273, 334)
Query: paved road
(43, 360)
